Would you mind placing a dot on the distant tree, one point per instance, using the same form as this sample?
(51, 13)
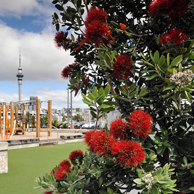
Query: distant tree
(56, 124)
(44, 120)
(64, 118)
(78, 117)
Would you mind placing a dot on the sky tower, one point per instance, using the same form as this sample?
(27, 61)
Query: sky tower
(20, 76)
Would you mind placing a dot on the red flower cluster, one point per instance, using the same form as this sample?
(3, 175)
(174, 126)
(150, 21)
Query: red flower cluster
(96, 13)
(122, 67)
(61, 172)
(75, 154)
(86, 80)
(140, 123)
(60, 39)
(88, 138)
(97, 31)
(99, 141)
(173, 8)
(66, 72)
(65, 163)
(118, 129)
(129, 154)
(175, 36)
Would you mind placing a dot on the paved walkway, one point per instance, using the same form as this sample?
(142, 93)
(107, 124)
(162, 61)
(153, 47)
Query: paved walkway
(55, 134)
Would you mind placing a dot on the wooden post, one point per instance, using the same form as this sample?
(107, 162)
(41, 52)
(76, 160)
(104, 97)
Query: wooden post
(37, 117)
(24, 118)
(50, 117)
(1, 110)
(12, 115)
(4, 119)
(16, 115)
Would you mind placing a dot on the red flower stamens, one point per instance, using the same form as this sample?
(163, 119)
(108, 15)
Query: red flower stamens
(122, 67)
(140, 123)
(66, 73)
(75, 154)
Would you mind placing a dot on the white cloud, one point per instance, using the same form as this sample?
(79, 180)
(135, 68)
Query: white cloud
(28, 7)
(41, 60)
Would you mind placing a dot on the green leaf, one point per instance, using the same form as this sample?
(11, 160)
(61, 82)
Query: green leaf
(107, 90)
(105, 106)
(95, 91)
(59, 7)
(144, 91)
(168, 59)
(187, 96)
(176, 61)
(123, 91)
(154, 190)
(191, 188)
(161, 64)
(138, 181)
(156, 57)
(175, 105)
(148, 63)
(102, 192)
(151, 76)
(185, 160)
(100, 181)
(169, 87)
(132, 87)
(101, 92)
(91, 96)
(161, 150)
(184, 128)
(79, 3)
(110, 191)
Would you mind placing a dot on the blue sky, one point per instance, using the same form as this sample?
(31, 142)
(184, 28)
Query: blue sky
(28, 25)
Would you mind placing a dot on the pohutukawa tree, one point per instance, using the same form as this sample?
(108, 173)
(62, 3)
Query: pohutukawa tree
(137, 57)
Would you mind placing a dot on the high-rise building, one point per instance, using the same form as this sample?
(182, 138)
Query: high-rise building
(20, 76)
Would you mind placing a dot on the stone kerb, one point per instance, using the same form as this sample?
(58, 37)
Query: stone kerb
(3, 157)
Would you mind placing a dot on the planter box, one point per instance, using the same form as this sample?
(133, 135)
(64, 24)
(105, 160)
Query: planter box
(3, 157)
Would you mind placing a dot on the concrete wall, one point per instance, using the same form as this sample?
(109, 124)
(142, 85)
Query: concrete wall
(3, 157)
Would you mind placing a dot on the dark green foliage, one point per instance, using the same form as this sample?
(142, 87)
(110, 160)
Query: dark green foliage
(150, 88)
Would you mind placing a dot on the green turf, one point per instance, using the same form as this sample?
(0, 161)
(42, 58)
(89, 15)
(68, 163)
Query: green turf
(28, 163)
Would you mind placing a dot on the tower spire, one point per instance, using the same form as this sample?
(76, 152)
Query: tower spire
(20, 76)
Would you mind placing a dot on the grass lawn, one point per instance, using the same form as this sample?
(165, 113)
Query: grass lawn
(26, 164)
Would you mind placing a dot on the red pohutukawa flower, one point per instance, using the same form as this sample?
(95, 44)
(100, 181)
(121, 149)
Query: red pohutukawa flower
(65, 163)
(140, 123)
(75, 154)
(175, 36)
(97, 32)
(118, 129)
(66, 73)
(60, 38)
(86, 80)
(96, 13)
(102, 143)
(123, 26)
(88, 138)
(122, 67)
(53, 171)
(130, 154)
(61, 172)
(173, 8)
